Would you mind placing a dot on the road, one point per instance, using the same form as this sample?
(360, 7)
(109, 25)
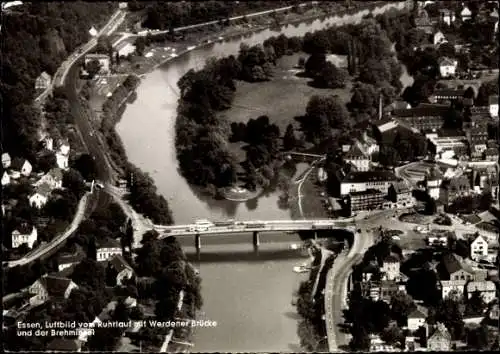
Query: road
(55, 242)
(336, 286)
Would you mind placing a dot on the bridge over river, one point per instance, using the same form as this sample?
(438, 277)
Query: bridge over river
(206, 229)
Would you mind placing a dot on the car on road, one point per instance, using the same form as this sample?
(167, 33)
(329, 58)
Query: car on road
(202, 225)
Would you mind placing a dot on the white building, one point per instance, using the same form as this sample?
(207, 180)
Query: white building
(6, 161)
(479, 248)
(456, 286)
(64, 147)
(24, 234)
(391, 268)
(43, 81)
(433, 182)
(361, 181)
(356, 158)
(93, 32)
(108, 249)
(5, 178)
(493, 104)
(486, 288)
(125, 48)
(447, 67)
(439, 38)
(465, 14)
(40, 197)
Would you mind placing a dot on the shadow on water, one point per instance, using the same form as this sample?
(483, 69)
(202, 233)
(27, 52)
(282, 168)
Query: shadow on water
(243, 256)
(293, 315)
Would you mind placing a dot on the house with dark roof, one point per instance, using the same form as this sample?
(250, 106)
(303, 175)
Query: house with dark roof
(452, 267)
(64, 345)
(119, 268)
(40, 197)
(107, 249)
(51, 287)
(454, 188)
(422, 117)
(20, 166)
(67, 260)
(400, 193)
(444, 96)
(53, 178)
(364, 180)
(417, 318)
(439, 339)
(486, 289)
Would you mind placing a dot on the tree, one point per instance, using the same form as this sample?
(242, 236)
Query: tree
(93, 67)
(364, 99)
(475, 304)
(289, 140)
(140, 45)
(89, 273)
(314, 64)
(86, 165)
(388, 156)
(486, 90)
(478, 338)
(430, 206)
(401, 306)
(73, 180)
(375, 72)
(331, 77)
(360, 339)
(46, 162)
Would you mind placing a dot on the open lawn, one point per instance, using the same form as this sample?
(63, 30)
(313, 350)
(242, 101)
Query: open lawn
(282, 99)
(411, 240)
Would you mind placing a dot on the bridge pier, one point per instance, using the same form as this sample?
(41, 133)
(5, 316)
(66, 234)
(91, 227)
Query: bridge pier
(256, 240)
(197, 242)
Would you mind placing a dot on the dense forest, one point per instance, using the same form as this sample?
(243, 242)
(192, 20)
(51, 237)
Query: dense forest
(37, 37)
(166, 15)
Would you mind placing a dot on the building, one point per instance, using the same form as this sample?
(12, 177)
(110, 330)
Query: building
(64, 345)
(478, 248)
(40, 197)
(444, 96)
(447, 16)
(385, 289)
(486, 289)
(42, 81)
(447, 67)
(67, 260)
(362, 181)
(465, 14)
(107, 249)
(384, 125)
(22, 166)
(423, 22)
(391, 269)
(490, 154)
(416, 318)
(454, 188)
(455, 286)
(124, 48)
(120, 268)
(478, 140)
(53, 179)
(369, 199)
(400, 193)
(49, 286)
(425, 118)
(24, 234)
(452, 267)
(5, 178)
(103, 60)
(356, 158)
(64, 147)
(433, 181)
(6, 161)
(440, 339)
(439, 238)
(494, 312)
(493, 106)
(438, 38)
(440, 145)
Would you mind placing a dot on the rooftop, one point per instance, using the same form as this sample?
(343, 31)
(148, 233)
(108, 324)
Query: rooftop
(421, 111)
(370, 191)
(109, 243)
(43, 189)
(493, 99)
(481, 286)
(119, 263)
(369, 176)
(55, 286)
(448, 92)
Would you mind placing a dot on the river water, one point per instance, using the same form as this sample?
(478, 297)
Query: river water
(248, 295)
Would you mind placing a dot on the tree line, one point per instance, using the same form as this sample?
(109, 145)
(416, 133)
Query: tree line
(37, 38)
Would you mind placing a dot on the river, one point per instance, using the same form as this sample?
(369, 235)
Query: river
(249, 296)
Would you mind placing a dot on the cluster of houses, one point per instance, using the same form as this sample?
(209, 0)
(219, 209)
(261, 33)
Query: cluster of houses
(18, 170)
(456, 277)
